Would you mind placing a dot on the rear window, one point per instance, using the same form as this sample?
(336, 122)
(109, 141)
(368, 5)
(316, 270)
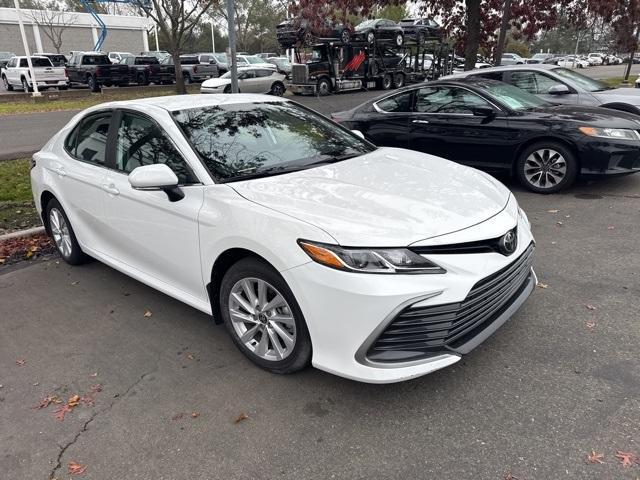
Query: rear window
(95, 60)
(36, 62)
(147, 60)
(189, 60)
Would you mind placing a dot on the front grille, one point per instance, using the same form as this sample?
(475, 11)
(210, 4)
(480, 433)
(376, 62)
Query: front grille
(480, 246)
(420, 332)
(299, 73)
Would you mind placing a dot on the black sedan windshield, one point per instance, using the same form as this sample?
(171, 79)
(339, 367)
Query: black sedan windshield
(248, 140)
(589, 84)
(513, 97)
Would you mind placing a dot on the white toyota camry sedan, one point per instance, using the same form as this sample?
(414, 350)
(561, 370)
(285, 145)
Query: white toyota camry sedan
(309, 243)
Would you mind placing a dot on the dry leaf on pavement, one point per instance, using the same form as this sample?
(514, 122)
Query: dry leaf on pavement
(195, 414)
(21, 361)
(62, 411)
(626, 458)
(542, 285)
(147, 313)
(594, 457)
(591, 307)
(553, 210)
(241, 417)
(76, 469)
(611, 227)
(590, 325)
(46, 401)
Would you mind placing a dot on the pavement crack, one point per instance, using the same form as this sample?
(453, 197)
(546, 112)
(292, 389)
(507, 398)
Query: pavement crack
(65, 447)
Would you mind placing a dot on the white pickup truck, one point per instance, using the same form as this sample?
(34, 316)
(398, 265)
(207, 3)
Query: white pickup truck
(16, 74)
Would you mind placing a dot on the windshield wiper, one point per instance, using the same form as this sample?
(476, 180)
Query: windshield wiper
(335, 159)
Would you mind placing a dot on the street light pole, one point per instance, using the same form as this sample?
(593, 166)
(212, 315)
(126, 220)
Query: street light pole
(155, 34)
(213, 39)
(32, 73)
(233, 65)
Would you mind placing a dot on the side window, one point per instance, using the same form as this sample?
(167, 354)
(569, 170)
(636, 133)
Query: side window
(544, 83)
(525, 81)
(396, 103)
(23, 63)
(447, 100)
(91, 139)
(264, 73)
(141, 142)
(491, 75)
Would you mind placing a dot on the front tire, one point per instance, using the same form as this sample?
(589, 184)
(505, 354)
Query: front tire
(277, 89)
(63, 235)
(324, 87)
(546, 167)
(387, 82)
(8, 87)
(93, 84)
(264, 318)
(25, 85)
(398, 80)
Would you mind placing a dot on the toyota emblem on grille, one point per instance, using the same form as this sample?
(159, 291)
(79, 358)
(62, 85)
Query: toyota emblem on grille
(509, 242)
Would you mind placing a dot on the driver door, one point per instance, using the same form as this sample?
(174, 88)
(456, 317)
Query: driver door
(147, 232)
(443, 123)
(249, 83)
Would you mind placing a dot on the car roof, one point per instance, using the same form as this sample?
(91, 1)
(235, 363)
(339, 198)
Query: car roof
(174, 103)
(502, 68)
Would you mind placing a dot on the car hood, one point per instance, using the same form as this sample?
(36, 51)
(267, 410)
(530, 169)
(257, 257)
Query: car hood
(216, 82)
(588, 116)
(624, 95)
(389, 197)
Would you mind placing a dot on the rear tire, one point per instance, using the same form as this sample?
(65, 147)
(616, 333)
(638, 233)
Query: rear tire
(387, 82)
(277, 89)
(8, 87)
(277, 346)
(227, 89)
(62, 233)
(93, 84)
(398, 80)
(546, 167)
(187, 78)
(25, 85)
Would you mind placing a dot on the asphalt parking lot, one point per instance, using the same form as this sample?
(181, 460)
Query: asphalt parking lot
(176, 400)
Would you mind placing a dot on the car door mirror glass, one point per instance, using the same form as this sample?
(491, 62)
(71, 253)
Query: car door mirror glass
(153, 177)
(559, 89)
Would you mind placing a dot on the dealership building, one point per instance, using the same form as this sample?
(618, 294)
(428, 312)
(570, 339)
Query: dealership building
(125, 33)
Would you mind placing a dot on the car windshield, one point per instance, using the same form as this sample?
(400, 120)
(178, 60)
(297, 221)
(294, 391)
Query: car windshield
(589, 84)
(221, 57)
(226, 75)
(514, 97)
(249, 140)
(254, 59)
(189, 60)
(540, 56)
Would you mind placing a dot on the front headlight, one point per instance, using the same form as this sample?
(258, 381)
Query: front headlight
(616, 133)
(369, 260)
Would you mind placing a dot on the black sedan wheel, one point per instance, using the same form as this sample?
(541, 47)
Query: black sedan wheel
(371, 37)
(547, 167)
(399, 39)
(263, 317)
(345, 36)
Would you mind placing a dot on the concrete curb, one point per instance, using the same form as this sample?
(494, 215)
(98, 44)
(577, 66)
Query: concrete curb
(22, 233)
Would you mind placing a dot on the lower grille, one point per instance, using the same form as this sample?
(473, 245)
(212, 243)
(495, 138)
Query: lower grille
(420, 332)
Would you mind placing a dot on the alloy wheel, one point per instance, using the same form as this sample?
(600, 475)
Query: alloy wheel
(399, 40)
(262, 319)
(345, 37)
(60, 232)
(277, 90)
(371, 37)
(545, 168)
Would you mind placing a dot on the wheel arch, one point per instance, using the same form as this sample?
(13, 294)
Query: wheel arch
(549, 138)
(623, 107)
(220, 267)
(45, 197)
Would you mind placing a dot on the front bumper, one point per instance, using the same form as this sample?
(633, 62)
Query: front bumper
(50, 83)
(346, 312)
(302, 88)
(608, 157)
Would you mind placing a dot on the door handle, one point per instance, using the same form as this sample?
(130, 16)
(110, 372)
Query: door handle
(419, 121)
(110, 188)
(60, 171)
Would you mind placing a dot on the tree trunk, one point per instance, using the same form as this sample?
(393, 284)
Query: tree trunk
(181, 89)
(473, 34)
(502, 37)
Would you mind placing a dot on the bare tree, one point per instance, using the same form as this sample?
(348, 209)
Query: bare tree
(176, 20)
(51, 21)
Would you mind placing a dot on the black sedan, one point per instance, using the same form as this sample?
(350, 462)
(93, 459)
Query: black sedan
(300, 31)
(497, 127)
(420, 29)
(379, 29)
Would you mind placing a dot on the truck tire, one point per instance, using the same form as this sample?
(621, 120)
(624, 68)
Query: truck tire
(386, 82)
(374, 69)
(25, 85)
(324, 87)
(187, 78)
(93, 84)
(8, 87)
(398, 80)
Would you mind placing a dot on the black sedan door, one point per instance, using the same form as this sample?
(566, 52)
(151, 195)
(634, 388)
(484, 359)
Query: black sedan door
(387, 122)
(460, 125)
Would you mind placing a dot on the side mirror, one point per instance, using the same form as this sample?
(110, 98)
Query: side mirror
(156, 177)
(358, 133)
(483, 111)
(559, 89)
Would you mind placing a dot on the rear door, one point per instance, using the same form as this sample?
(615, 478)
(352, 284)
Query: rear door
(387, 124)
(444, 124)
(81, 172)
(250, 83)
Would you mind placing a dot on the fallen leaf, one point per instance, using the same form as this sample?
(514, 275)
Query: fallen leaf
(75, 283)
(509, 476)
(29, 254)
(21, 361)
(46, 401)
(195, 414)
(94, 374)
(542, 285)
(147, 313)
(74, 401)
(76, 468)
(190, 356)
(611, 227)
(559, 224)
(626, 458)
(567, 216)
(591, 325)
(590, 307)
(594, 457)
(553, 210)
(62, 411)
(241, 417)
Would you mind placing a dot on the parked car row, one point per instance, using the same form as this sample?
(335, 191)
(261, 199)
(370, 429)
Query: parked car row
(296, 31)
(573, 61)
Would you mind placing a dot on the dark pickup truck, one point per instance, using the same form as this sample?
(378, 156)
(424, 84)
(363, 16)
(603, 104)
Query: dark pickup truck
(146, 69)
(94, 69)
